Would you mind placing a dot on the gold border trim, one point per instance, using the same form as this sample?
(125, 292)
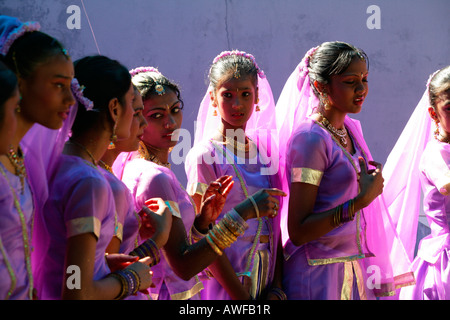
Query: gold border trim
(83, 225)
(306, 175)
(174, 208)
(188, 293)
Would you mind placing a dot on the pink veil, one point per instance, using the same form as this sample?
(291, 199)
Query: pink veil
(41, 146)
(403, 191)
(261, 128)
(389, 259)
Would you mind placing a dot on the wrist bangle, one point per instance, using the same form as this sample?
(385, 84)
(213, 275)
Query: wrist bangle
(147, 249)
(255, 206)
(279, 293)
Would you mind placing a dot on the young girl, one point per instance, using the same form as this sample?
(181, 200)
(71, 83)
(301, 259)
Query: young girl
(44, 72)
(137, 227)
(235, 119)
(425, 163)
(147, 174)
(80, 213)
(13, 281)
(333, 229)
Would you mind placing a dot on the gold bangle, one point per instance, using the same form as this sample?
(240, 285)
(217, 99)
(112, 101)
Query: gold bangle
(255, 206)
(213, 245)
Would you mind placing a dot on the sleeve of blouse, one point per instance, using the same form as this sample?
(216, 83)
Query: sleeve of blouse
(200, 169)
(157, 184)
(88, 203)
(306, 158)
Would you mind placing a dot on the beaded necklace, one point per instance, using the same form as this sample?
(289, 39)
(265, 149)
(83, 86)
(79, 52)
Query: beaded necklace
(17, 159)
(26, 242)
(341, 134)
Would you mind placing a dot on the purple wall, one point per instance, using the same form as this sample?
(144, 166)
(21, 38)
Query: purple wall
(182, 37)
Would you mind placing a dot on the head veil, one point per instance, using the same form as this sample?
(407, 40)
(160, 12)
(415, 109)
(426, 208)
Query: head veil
(296, 103)
(402, 189)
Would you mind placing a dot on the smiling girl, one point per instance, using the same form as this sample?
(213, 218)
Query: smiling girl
(333, 229)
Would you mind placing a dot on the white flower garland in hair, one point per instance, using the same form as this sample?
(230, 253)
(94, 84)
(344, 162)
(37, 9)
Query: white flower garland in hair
(135, 71)
(17, 33)
(77, 91)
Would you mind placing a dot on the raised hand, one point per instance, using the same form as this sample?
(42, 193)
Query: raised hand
(371, 182)
(265, 203)
(213, 201)
(156, 221)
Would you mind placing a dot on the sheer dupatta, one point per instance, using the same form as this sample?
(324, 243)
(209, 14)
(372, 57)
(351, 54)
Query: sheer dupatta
(389, 264)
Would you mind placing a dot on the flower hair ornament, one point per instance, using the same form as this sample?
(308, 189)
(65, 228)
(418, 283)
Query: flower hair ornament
(159, 88)
(12, 30)
(304, 64)
(242, 54)
(137, 70)
(77, 91)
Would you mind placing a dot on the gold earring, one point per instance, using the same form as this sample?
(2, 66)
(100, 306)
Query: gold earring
(113, 138)
(257, 106)
(326, 101)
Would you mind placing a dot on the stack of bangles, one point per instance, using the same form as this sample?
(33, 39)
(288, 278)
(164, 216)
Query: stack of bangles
(279, 293)
(147, 249)
(224, 233)
(344, 213)
(130, 281)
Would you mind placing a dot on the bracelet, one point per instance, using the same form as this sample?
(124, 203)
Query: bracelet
(255, 206)
(197, 235)
(147, 249)
(224, 234)
(344, 213)
(129, 280)
(279, 293)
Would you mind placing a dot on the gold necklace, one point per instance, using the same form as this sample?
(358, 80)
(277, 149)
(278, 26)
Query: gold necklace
(105, 166)
(17, 159)
(441, 138)
(84, 149)
(340, 134)
(236, 144)
(144, 153)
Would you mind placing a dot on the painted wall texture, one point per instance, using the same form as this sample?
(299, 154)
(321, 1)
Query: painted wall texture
(405, 41)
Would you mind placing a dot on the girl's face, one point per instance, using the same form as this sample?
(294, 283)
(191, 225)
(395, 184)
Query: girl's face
(8, 127)
(46, 93)
(138, 124)
(348, 90)
(164, 116)
(125, 116)
(442, 113)
(235, 100)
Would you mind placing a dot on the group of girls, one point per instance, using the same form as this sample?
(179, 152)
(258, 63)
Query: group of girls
(90, 208)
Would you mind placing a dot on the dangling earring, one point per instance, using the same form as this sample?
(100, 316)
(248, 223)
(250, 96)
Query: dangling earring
(214, 112)
(113, 138)
(257, 106)
(325, 101)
